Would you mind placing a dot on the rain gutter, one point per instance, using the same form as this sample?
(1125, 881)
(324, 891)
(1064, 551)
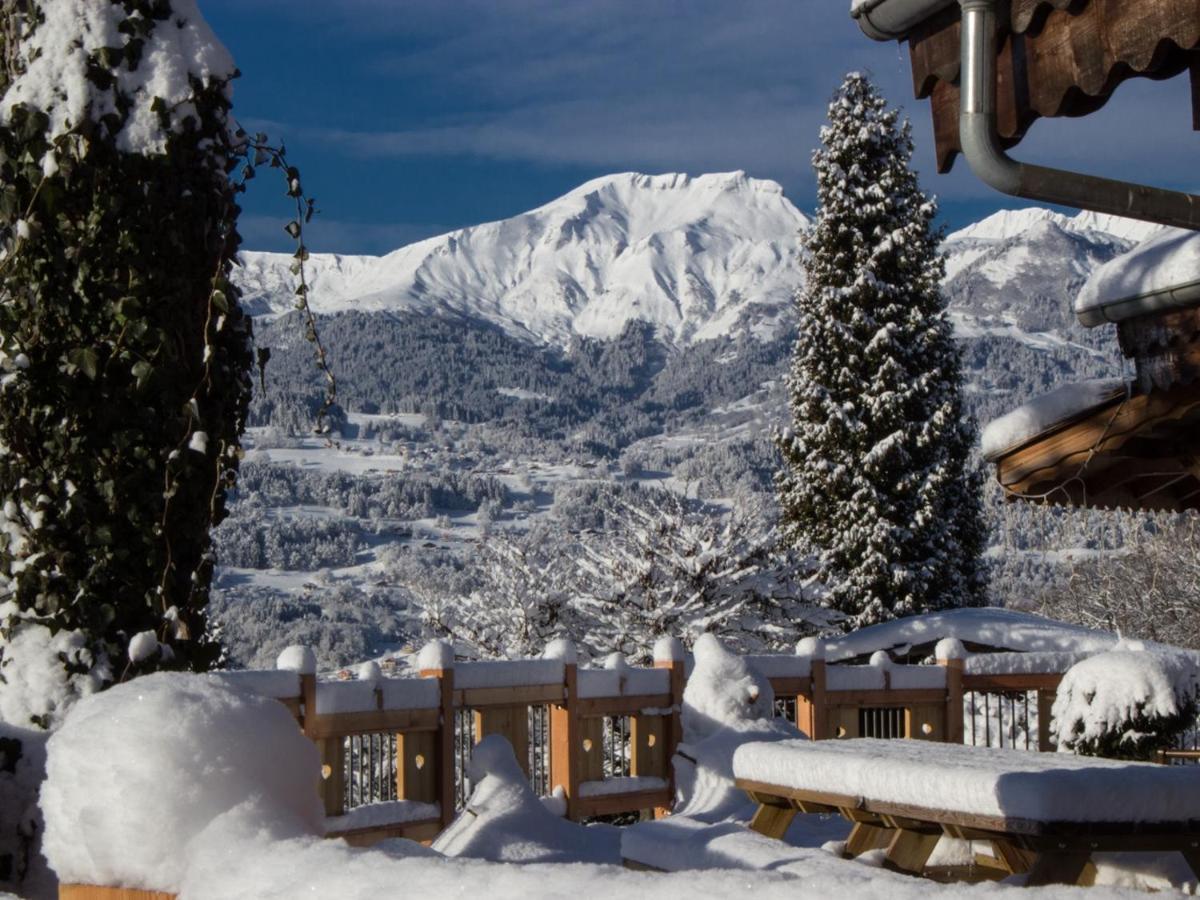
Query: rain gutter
(987, 159)
(1181, 296)
(892, 20)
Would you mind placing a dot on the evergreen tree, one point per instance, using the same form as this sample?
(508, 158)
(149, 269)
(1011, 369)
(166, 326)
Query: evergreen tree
(124, 355)
(877, 479)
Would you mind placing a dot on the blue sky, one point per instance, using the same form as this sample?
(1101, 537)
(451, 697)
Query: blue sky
(412, 117)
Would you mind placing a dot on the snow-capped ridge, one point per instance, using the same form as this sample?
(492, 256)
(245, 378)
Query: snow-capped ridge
(1010, 223)
(688, 254)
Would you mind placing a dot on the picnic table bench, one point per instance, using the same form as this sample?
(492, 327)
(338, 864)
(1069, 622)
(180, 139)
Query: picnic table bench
(1044, 814)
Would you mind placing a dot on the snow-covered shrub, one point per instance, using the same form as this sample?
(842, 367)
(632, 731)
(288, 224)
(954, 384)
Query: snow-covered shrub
(726, 703)
(1126, 703)
(138, 771)
(505, 821)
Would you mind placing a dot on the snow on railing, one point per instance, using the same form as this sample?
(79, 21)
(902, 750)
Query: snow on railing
(394, 747)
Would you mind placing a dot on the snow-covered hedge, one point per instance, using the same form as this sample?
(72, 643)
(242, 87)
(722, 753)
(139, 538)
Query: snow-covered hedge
(1127, 703)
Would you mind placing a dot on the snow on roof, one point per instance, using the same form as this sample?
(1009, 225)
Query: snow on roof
(1161, 265)
(1045, 412)
(1003, 629)
(978, 780)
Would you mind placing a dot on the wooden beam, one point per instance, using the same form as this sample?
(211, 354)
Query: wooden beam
(622, 706)
(372, 722)
(531, 695)
(95, 892)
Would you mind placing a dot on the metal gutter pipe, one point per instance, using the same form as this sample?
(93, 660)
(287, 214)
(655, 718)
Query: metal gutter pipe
(987, 159)
(892, 20)
(1183, 296)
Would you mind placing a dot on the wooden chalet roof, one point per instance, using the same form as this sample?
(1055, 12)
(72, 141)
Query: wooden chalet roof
(1139, 452)
(1057, 58)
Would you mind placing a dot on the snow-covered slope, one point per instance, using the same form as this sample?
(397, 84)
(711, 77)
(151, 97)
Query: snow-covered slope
(697, 257)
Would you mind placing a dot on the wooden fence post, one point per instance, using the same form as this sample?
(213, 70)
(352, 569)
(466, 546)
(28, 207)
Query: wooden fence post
(1045, 703)
(673, 725)
(954, 699)
(444, 742)
(565, 741)
(812, 712)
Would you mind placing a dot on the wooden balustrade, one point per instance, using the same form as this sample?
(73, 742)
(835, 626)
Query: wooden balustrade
(919, 702)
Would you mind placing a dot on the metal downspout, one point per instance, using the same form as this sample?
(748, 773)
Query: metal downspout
(987, 159)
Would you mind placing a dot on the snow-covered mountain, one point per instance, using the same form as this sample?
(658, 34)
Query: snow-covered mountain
(696, 257)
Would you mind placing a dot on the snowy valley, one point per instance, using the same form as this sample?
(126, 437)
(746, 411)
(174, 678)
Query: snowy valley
(626, 339)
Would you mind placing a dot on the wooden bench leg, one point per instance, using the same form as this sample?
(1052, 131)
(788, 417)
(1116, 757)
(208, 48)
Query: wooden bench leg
(1057, 868)
(910, 850)
(772, 821)
(864, 837)
(1015, 859)
(1193, 861)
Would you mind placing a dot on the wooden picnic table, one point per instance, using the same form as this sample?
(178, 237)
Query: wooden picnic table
(1049, 842)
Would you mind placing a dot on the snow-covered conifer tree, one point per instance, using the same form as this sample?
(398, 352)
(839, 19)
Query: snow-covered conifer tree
(124, 355)
(877, 478)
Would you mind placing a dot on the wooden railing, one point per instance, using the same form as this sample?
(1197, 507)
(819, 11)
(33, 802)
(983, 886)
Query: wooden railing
(606, 737)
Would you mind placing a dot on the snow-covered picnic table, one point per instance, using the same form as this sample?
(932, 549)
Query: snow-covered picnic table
(1043, 813)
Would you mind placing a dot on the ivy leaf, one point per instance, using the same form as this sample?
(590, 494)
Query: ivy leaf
(293, 229)
(85, 360)
(142, 371)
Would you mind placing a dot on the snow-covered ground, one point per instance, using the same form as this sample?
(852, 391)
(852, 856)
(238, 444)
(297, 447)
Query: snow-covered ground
(221, 804)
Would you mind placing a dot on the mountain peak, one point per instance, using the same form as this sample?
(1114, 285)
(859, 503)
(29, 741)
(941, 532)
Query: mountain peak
(691, 255)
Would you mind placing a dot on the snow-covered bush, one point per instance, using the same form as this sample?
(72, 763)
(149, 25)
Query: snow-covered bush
(135, 773)
(1126, 703)
(505, 821)
(726, 703)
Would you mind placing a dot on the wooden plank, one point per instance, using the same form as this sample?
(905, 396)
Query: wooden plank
(926, 722)
(953, 716)
(1045, 707)
(590, 750)
(1012, 682)
(865, 836)
(1016, 860)
(674, 730)
(887, 698)
(526, 695)
(648, 743)
(333, 774)
(790, 686)
(416, 767)
(841, 721)
(999, 824)
(564, 738)
(772, 821)
(444, 743)
(1057, 868)
(509, 722)
(908, 851)
(372, 722)
(421, 831)
(622, 706)
(95, 892)
(611, 804)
